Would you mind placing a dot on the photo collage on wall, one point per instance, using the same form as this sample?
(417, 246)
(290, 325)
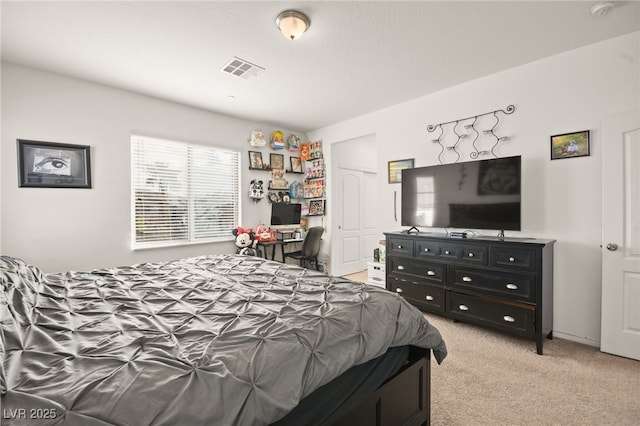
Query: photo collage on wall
(304, 159)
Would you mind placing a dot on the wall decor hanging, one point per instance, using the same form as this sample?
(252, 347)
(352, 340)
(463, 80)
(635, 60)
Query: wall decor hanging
(53, 165)
(296, 164)
(479, 129)
(257, 138)
(278, 180)
(570, 145)
(277, 140)
(305, 151)
(296, 190)
(293, 143)
(255, 160)
(276, 161)
(256, 190)
(396, 167)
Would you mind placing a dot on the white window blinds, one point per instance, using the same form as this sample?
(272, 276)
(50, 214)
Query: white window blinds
(182, 193)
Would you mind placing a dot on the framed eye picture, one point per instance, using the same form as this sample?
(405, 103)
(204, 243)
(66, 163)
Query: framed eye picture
(276, 161)
(570, 145)
(53, 165)
(255, 160)
(296, 164)
(396, 167)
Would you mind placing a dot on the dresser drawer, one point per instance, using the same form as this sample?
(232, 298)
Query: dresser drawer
(443, 250)
(399, 247)
(516, 259)
(512, 317)
(418, 270)
(424, 296)
(500, 284)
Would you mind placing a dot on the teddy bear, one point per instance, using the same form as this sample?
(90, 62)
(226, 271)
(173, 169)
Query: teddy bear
(245, 241)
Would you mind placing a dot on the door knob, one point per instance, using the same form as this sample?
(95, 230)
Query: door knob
(612, 247)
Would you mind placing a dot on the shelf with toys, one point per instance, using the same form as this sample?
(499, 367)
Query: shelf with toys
(301, 162)
(314, 184)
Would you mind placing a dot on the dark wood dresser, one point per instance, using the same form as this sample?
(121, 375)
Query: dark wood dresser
(505, 284)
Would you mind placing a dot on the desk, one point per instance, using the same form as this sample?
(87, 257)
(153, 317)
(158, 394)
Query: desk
(281, 243)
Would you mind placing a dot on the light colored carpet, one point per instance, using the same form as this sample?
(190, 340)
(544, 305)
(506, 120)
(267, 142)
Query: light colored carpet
(491, 378)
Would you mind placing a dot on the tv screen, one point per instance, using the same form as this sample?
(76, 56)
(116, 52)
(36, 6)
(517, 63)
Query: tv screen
(285, 214)
(481, 194)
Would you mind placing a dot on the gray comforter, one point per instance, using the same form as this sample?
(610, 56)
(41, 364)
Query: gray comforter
(211, 340)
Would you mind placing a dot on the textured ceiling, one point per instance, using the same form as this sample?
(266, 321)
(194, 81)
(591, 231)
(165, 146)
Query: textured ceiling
(357, 57)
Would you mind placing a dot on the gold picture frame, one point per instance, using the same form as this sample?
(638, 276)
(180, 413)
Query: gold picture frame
(396, 167)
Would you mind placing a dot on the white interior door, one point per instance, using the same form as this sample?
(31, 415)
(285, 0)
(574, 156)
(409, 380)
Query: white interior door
(620, 333)
(355, 235)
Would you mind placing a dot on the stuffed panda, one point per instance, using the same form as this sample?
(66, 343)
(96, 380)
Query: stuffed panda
(245, 241)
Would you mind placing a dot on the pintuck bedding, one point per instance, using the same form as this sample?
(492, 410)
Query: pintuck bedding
(209, 340)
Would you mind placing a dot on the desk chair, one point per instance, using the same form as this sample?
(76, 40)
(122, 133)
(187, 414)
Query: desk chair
(310, 247)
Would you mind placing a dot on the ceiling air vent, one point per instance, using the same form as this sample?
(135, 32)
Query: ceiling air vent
(241, 68)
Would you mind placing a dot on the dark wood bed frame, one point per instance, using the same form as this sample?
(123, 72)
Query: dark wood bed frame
(404, 399)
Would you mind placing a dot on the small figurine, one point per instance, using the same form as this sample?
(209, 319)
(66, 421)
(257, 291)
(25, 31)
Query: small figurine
(257, 138)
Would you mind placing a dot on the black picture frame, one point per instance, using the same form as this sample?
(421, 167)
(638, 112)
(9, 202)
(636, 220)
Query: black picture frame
(53, 165)
(276, 161)
(255, 160)
(570, 145)
(296, 164)
(396, 167)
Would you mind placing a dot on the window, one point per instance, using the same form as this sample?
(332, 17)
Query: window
(182, 193)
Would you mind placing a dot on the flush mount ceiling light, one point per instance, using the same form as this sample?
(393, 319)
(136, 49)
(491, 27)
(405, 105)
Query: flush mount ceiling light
(601, 8)
(292, 24)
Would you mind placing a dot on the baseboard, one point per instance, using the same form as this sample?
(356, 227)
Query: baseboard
(577, 339)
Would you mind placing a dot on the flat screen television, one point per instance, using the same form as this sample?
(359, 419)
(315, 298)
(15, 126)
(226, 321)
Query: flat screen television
(480, 194)
(285, 215)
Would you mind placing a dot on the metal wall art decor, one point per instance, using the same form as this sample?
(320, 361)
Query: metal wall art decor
(570, 145)
(480, 129)
(53, 165)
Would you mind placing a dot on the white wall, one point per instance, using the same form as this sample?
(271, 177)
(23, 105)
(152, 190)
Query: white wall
(562, 199)
(64, 229)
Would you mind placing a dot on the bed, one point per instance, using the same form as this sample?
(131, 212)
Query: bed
(209, 340)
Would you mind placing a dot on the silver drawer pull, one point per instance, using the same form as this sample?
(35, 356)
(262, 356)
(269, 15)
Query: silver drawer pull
(399, 246)
(512, 259)
(508, 318)
(512, 286)
(431, 273)
(398, 290)
(471, 255)
(467, 279)
(400, 268)
(426, 249)
(428, 297)
(447, 252)
(463, 307)
(376, 279)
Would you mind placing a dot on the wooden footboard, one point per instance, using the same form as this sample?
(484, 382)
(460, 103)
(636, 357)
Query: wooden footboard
(405, 399)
